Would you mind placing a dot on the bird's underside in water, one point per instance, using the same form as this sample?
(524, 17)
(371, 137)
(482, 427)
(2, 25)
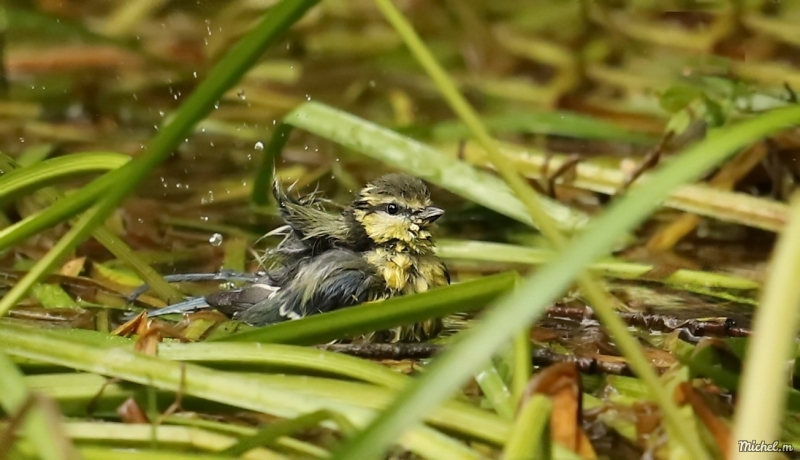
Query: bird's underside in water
(379, 247)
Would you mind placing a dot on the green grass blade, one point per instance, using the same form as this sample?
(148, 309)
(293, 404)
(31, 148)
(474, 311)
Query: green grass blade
(453, 416)
(495, 390)
(530, 436)
(247, 355)
(262, 187)
(424, 162)
(36, 427)
(375, 316)
(271, 433)
(520, 365)
(762, 398)
(455, 366)
(24, 180)
(110, 241)
(60, 211)
(75, 391)
(221, 78)
(247, 392)
(170, 438)
(235, 389)
(301, 358)
(558, 123)
(113, 453)
(30, 21)
(612, 268)
(128, 365)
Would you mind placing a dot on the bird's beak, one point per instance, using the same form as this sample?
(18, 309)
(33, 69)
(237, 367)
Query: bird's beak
(430, 214)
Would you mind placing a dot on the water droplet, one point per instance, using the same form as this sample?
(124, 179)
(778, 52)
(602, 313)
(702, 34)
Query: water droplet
(308, 97)
(22, 139)
(195, 74)
(216, 105)
(241, 95)
(259, 145)
(204, 218)
(372, 83)
(215, 240)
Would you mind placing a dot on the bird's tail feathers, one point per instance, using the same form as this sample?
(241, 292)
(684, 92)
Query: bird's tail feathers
(187, 306)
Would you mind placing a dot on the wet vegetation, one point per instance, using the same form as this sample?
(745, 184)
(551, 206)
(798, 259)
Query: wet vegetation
(620, 228)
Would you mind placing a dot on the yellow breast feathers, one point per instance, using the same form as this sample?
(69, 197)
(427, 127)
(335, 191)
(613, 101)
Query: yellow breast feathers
(406, 273)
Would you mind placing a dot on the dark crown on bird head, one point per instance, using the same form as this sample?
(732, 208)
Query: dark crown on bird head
(395, 185)
(395, 210)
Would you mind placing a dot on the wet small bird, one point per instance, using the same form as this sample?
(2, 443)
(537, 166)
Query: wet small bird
(379, 246)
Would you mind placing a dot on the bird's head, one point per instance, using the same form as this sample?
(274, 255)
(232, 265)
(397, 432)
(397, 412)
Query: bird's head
(396, 209)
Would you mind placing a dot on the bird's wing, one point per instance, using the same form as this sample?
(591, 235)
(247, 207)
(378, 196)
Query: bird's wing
(335, 279)
(312, 225)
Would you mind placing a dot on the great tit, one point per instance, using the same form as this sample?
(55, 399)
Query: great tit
(379, 246)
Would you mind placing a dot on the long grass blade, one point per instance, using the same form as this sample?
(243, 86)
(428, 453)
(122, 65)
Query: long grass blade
(110, 241)
(24, 180)
(284, 356)
(247, 392)
(763, 388)
(612, 268)
(558, 123)
(37, 429)
(530, 437)
(375, 316)
(451, 369)
(222, 77)
(425, 162)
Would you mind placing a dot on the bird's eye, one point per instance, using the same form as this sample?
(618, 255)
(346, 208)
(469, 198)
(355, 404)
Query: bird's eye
(392, 208)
